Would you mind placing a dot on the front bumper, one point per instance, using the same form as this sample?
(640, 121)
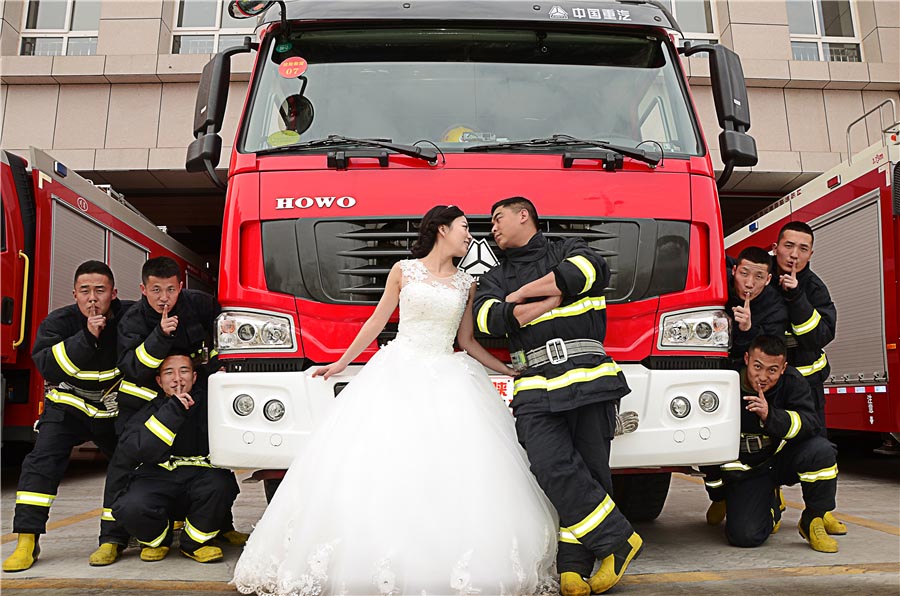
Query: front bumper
(661, 440)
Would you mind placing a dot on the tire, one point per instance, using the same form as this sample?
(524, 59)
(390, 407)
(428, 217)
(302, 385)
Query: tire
(270, 485)
(641, 497)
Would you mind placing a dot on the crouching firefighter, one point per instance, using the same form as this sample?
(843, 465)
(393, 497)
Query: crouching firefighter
(780, 445)
(547, 298)
(168, 445)
(75, 350)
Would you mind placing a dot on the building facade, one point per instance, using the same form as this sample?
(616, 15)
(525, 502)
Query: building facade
(108, 87)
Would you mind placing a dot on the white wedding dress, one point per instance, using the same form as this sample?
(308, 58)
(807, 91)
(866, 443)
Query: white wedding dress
(415, 483)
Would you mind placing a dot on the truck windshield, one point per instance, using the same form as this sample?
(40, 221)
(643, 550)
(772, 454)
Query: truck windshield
(459, 88)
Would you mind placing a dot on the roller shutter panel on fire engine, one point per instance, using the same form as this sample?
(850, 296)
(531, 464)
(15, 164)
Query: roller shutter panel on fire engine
(76, 239)
(847, 256)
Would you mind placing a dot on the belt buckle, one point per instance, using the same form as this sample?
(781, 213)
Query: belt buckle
(556, 351)
(759, 443)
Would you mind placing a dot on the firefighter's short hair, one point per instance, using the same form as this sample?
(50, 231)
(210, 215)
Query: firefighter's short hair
(161, 267)
(771, 345)
(98, 267)
(519, 203)
(757, 255)
(797, 226)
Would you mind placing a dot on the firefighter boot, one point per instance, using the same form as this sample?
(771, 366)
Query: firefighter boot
(818, 538)
(107, 554)
(613, 567)
(154, 553)
(204, 554)
(715, 515)
(26, 553)
(833, 525)
(233, 537)
(572, 584)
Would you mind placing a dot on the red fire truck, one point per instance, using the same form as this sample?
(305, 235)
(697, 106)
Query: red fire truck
(53, 220)
(853, 210)
(362, 115)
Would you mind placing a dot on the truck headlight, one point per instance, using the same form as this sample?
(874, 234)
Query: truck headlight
(704, 329)
(253, 331)
(273, 410)
(680, 407)
(243, 405)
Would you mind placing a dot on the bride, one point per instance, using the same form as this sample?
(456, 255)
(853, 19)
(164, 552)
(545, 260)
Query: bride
(415, 483)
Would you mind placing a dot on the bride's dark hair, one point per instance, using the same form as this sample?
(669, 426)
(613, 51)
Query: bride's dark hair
(440, 215)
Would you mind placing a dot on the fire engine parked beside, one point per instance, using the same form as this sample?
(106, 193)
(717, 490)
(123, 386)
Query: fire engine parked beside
(853, 210)
(53, 220)
(362, 115)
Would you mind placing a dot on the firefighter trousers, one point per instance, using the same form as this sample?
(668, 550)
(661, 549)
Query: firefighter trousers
(201, 496)
(60, 428)
(751, 496)
(117, 472)
(569, 456)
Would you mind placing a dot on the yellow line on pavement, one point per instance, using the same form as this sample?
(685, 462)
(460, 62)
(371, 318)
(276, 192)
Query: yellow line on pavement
(144, 586)
(687, 577)
(859, 521)
(683, 577)
(67, 521)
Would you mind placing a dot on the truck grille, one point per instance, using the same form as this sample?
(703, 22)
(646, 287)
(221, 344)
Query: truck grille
(347, 261)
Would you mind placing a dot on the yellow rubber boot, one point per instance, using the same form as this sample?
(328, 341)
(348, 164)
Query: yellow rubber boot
(572, 584)
(233, 537)
(107, 554)
(154, 553)
(715, 515)
(776, 527)
(612, 568)
(817, 537)
(205, 554)
(26, 553)
(833, 525)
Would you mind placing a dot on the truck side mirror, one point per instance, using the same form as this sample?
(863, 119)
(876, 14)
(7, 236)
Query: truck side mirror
(212, 97)
(732, 108)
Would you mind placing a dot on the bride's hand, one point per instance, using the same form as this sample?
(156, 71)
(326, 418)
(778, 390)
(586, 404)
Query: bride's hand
(326, 372)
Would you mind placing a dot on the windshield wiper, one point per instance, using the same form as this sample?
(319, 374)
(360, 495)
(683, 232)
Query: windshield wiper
(424, 153)
(649, 157)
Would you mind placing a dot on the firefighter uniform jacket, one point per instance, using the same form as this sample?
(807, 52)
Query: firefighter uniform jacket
(581, 275)
(813, 319)
(164, 431)
(79, 406)
(143, 345)
(791, 416)
(768, 316)
(66, 352)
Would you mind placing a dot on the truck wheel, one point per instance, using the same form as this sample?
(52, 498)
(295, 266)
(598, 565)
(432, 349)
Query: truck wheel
(641, 497)
(270, 485)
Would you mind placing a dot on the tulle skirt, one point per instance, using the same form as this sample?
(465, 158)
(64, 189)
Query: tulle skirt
(415, 484)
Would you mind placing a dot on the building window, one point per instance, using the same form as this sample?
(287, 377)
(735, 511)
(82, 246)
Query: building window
(696, 19)
(205, 27)
(60, 28)
(823, 30)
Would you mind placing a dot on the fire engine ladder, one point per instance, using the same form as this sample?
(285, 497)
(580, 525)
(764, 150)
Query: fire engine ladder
(892, 129)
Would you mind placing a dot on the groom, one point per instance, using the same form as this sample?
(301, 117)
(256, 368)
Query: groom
(547, 298)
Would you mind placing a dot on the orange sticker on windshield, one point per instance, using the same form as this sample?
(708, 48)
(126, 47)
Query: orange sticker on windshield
(292, 67)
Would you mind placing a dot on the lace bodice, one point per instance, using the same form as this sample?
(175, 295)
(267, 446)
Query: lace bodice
(431, 307)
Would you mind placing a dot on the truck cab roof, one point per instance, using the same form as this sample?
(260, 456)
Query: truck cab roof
(641, 13)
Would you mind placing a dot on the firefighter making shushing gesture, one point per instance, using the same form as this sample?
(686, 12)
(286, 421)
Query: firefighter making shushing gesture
(812, 317)
(548, 299)
(780, 445)
(76, 351)
(167, 319)
(167, 446)
(756, 308)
